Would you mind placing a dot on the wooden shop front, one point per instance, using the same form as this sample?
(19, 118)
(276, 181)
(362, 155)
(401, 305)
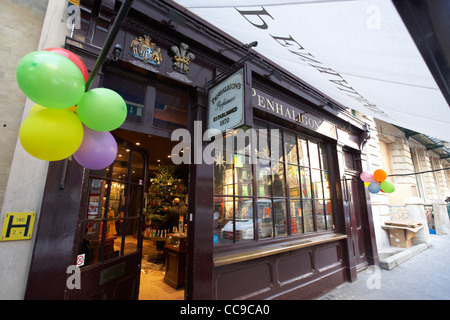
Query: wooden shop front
(288, 227)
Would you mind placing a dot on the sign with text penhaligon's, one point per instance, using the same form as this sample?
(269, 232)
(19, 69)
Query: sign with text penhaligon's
(226, 103)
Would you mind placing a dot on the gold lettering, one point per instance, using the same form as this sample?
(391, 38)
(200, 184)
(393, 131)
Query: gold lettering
(279, 108)
(287, 113)
(304, 120)
(261, 101)
(270, 104)
(316, 124)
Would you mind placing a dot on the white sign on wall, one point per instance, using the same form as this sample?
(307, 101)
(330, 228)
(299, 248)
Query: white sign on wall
(226, 103)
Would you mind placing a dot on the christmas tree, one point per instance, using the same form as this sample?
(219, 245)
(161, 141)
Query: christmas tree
(164, 188)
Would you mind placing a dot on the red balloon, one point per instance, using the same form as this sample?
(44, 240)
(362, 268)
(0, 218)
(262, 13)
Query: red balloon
(74, 58)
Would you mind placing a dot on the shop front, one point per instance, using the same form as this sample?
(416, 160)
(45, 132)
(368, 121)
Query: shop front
(282, 216)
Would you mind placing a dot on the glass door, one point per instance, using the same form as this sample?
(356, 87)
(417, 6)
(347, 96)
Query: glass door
(111, 230)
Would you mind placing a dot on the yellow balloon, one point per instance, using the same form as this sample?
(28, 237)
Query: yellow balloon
(366, 184)
(51, 134)
(36, 108)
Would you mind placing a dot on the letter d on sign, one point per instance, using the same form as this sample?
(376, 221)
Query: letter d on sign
(74, 280)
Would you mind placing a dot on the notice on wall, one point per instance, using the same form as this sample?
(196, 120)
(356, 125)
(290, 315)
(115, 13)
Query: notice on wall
(226, 103)
(18, 226)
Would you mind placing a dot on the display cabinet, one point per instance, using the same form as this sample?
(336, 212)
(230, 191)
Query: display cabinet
(175, 251)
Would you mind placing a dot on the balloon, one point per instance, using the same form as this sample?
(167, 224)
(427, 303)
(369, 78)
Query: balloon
(380, 175)
(97, 151)
(387, 186)
(366, 184)
(374, 187)
(36, 108)
(74, 58)
(102, 109)
(51, 134)
(366, 177)
(50, 79)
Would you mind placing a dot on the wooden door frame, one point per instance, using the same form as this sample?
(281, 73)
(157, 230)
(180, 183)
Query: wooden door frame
(365, 207)
(357, 208)
(59, 234)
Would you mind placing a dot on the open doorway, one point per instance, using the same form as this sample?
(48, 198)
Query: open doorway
(163, 235)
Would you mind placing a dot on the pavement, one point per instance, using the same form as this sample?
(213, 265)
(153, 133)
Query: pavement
(425, 276)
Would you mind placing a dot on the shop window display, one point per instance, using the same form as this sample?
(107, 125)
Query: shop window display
(291, 192)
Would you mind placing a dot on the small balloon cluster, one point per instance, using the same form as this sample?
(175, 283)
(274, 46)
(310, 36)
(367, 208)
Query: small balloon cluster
(377, 182)
(66, 119)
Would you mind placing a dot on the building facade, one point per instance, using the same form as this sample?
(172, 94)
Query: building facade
(292, 224)
(416, 164)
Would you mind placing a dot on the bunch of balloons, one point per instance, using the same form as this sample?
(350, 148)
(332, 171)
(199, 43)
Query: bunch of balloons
(66, 120)
(377, 182)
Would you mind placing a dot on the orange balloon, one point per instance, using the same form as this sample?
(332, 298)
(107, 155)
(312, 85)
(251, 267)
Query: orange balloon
(380, 175)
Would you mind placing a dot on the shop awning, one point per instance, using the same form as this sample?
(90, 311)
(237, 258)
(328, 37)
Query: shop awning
(358, 53)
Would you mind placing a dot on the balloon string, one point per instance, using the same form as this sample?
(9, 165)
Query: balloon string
(414, 173)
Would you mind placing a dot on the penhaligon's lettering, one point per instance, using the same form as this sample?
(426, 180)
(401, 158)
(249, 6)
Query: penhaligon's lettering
(291, 113)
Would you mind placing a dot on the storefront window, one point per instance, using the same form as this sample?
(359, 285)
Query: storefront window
(171, 109)
(291, 189)
(132, 92)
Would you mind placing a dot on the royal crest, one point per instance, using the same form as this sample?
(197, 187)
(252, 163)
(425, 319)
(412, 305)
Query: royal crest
(182, 58)
(143, 49)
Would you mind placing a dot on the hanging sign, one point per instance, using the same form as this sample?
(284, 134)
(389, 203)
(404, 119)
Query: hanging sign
(18, 226)
(226, 106)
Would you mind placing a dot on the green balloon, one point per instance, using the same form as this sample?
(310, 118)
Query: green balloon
(387, 186)
(50, 79)
(102, 109)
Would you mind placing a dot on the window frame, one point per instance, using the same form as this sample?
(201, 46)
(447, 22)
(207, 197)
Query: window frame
(102, 219)
(324, 148)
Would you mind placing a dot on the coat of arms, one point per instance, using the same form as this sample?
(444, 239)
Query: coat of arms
(145, 50)
(182, 58)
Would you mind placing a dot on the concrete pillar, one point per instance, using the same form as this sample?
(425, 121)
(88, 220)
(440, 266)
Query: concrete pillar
(416, 212)
(380, 213)
(27, 176)
(441, 219)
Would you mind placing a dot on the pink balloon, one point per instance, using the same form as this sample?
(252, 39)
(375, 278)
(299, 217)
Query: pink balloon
(98, 149)
(366, 177)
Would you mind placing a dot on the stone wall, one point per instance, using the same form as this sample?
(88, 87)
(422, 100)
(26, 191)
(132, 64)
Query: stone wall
(28, 25)
(20, 29)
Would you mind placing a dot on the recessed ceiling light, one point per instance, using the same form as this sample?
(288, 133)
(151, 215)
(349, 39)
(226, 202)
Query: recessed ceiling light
(158, 160)
(168, 156)
(138, 143)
